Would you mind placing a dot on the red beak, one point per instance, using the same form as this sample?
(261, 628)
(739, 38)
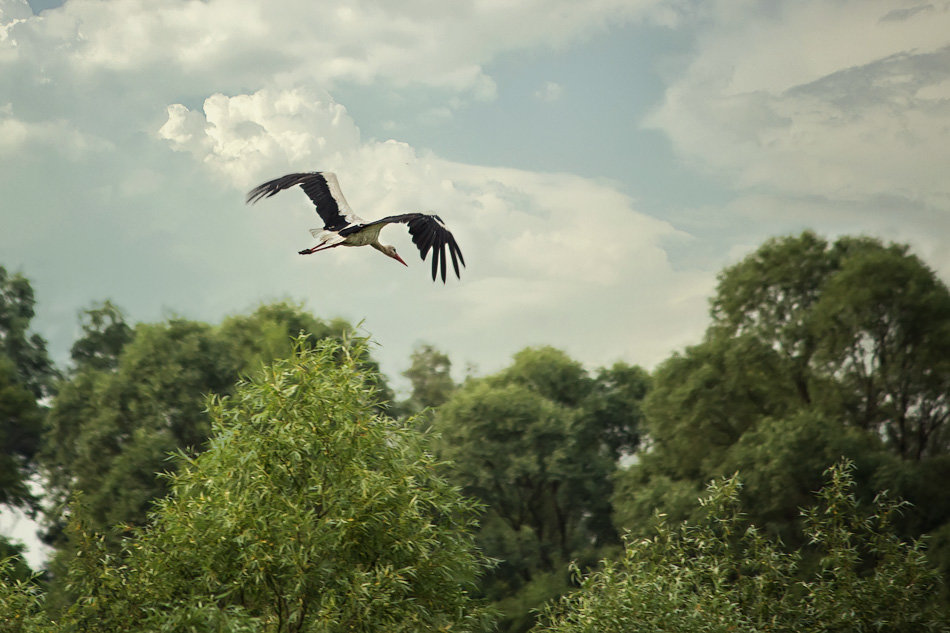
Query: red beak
(399, 259)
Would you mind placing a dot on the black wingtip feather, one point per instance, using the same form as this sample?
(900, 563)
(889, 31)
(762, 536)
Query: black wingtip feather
(429, 234)
(455, 261)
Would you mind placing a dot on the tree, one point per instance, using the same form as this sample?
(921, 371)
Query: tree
(307, 512)
(111, 430)
(26, 377)
(703, 401)
(21, 600)
(105, 334)
(863, 330)
(883, 323)
(137, 394)
(815, 351)
(768, 296)
(27, 351)
(612, 409)
(720, 574)
(537, 444)
(431, 377)
(21, 425)
(268, 333)
(126, 407)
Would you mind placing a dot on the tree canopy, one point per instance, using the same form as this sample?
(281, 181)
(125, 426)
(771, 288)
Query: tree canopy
(537, 444)
(137, 394)
(26, 378)
(307, 512)
(293, 502)
(816, 350)
(720, 574)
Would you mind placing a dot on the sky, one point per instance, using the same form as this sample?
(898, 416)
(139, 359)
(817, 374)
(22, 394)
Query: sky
(598, 162)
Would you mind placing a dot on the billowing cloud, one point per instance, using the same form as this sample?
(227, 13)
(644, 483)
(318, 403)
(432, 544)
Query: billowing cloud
(229, 43)
(239, 136)
(552, 257)
(846, 100)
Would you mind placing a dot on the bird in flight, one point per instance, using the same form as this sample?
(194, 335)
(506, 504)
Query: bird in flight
(342, 227)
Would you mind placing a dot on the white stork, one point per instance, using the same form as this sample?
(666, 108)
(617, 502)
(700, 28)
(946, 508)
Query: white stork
(342, 227)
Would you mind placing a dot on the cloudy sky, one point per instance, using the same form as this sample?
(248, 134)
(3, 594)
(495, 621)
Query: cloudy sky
(598, 161)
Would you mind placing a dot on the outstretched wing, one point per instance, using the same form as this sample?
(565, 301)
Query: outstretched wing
(429, 232)
(322, 188)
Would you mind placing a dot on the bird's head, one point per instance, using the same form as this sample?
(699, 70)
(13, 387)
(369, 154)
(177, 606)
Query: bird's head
(391, 251)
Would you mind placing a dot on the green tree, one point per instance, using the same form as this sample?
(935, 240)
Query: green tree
(104, 334)
(26, 377)
(308, 512)
(430, 373)
(26, 350)
(862, 329)
(111, 430)
(721, 574)
(883, 323)
(21, 600)
(137, 394)
(126, 406)
(21, 426)
(268, 333)
(815, 351)
(537, 444)
(768, 296)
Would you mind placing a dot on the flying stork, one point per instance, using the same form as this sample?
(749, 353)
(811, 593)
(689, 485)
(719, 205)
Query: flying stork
(342, 227)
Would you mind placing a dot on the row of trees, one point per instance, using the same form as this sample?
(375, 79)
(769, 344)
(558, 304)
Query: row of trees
(816, 351)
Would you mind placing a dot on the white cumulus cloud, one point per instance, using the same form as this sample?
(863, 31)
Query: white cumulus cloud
(551, 257)
(236, 42)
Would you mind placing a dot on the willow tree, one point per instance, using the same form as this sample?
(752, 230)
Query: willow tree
(308, 511)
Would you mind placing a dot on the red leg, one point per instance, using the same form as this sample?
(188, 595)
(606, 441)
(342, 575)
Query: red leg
(317, 248)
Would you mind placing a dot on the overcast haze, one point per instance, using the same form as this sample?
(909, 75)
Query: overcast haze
(598, 162)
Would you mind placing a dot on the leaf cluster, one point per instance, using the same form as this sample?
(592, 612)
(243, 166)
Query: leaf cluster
(816, 351)
(307, 512)
(719, 574)
(537, 443)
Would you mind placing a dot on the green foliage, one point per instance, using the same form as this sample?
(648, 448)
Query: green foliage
(816, 351)
(537, 444)
(104, 334)
(863, 331)
(26, 376)
(783, 461)
(431, 378)
(14, 565)
(269, 332)
(718, 574)
(307, 512)
(702, 402)
(21, 602)
(111, 430)
(137, 395)
(883, 323)
(27, 351)
(21, 426)
(612, 408)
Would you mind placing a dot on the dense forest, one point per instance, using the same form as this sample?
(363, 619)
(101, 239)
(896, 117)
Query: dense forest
(788, 472)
